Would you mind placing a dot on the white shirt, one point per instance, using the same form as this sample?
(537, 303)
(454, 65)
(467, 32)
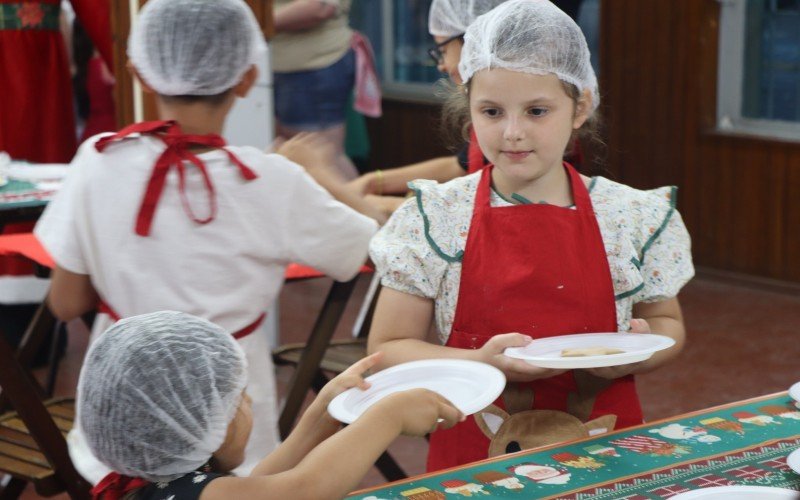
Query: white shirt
(647, 245)
(227, 271)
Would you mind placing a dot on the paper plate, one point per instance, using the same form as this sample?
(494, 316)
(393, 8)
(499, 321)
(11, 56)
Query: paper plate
(471, 386)
(39, 172)
(794, 392)
(793, 461)
(546, 352)
(739, 493)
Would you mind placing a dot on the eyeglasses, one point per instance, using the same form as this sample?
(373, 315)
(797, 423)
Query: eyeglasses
(436, 51)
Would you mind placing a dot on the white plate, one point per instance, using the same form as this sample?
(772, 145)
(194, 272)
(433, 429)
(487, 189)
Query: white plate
(794, 392)
(739, 493)
(546, 352)
(469, 385)
(38, 172)
(793, 460)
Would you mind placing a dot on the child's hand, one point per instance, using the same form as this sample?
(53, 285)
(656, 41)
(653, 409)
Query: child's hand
(364, 184)
(419, 411)
(515, 370)
(611, 372)
(310, 150)
(352, 377)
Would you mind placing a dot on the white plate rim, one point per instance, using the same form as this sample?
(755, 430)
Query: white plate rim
(793, 461)
(703, 492)
(493, 384)
(663, 342)
(794, 391)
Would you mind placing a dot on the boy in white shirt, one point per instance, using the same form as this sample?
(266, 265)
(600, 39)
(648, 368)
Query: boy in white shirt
(163, 215)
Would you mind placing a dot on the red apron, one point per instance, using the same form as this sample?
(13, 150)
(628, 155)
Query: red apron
(176, 153)
(540, 270)
(475, 158)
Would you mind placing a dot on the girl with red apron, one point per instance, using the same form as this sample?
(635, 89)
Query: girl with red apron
(511, 282)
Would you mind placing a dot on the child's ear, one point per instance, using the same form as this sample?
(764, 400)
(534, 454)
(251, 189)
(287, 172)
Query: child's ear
(242, 88)
(135, 74)
(583, 109)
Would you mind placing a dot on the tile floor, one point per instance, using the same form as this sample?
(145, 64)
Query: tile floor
(742, 342)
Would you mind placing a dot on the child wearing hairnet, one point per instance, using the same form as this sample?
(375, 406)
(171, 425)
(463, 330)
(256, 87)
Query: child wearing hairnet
(165, 215)
(528, 248)
(447, 22)
(176, 431)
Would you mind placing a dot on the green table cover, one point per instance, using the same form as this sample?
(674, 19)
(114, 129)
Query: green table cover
(744, 443)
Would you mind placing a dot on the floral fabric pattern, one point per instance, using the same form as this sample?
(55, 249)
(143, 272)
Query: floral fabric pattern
(648, 248)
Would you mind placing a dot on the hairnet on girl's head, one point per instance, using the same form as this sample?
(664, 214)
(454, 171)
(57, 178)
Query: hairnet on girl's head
(529, 36)
(157, 392)
(194, 47)
(450, 18)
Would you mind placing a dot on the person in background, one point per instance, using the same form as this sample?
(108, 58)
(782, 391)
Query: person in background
(178, 431)
(528, 248)
(447, 22)
(314, 71)
(165, 215)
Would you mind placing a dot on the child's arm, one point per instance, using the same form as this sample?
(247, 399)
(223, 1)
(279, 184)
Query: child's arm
(395, 180)
(70, 294)
(316, 424)
(315, 154)
(400, 326)
(336, 466)
(664, 318)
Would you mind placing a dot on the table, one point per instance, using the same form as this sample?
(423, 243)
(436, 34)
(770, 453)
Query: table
(28, 190)
(742, 443)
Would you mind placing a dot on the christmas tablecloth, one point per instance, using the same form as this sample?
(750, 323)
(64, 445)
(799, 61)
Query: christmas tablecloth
(744, 443)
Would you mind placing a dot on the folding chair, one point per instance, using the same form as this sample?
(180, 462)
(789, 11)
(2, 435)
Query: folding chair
(32, 444)
(321, 354)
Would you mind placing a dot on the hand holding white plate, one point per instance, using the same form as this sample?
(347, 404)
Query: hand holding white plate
(793, 461)
(794, 392)
(471, 386)
(549, 352)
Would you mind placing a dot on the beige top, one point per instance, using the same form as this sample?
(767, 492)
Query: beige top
(316, 48)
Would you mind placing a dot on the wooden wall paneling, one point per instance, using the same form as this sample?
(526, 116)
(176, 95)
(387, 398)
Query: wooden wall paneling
(406, 133)
(791, 256)
(776, 168)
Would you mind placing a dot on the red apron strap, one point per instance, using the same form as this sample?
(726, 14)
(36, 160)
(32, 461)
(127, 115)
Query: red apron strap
(103, 307)
(176, 153)
(475, 158)
(114, 486)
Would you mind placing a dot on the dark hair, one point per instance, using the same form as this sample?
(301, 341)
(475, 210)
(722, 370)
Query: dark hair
(211, 100)
(456, 122)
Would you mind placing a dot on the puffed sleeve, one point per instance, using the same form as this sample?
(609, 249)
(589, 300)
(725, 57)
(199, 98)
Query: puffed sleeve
(412, 251)
(665, 261)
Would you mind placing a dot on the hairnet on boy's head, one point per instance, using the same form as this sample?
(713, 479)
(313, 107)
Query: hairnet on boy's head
(450, 18)
(194, 47)
(157, 392)
(529, 36)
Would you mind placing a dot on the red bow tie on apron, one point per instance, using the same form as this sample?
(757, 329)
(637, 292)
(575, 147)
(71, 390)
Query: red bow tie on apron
(115, 486)
(176, 153)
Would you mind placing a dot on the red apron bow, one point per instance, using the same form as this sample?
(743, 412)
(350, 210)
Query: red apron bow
(176, 153)
(115, 486)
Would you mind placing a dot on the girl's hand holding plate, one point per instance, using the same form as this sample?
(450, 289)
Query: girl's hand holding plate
(515, 370)
(612, 372)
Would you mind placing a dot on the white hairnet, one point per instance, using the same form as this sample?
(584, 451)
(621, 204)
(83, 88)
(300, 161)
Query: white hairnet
(194, 47)
(529, 36)
(450, 18)
(157, 392)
